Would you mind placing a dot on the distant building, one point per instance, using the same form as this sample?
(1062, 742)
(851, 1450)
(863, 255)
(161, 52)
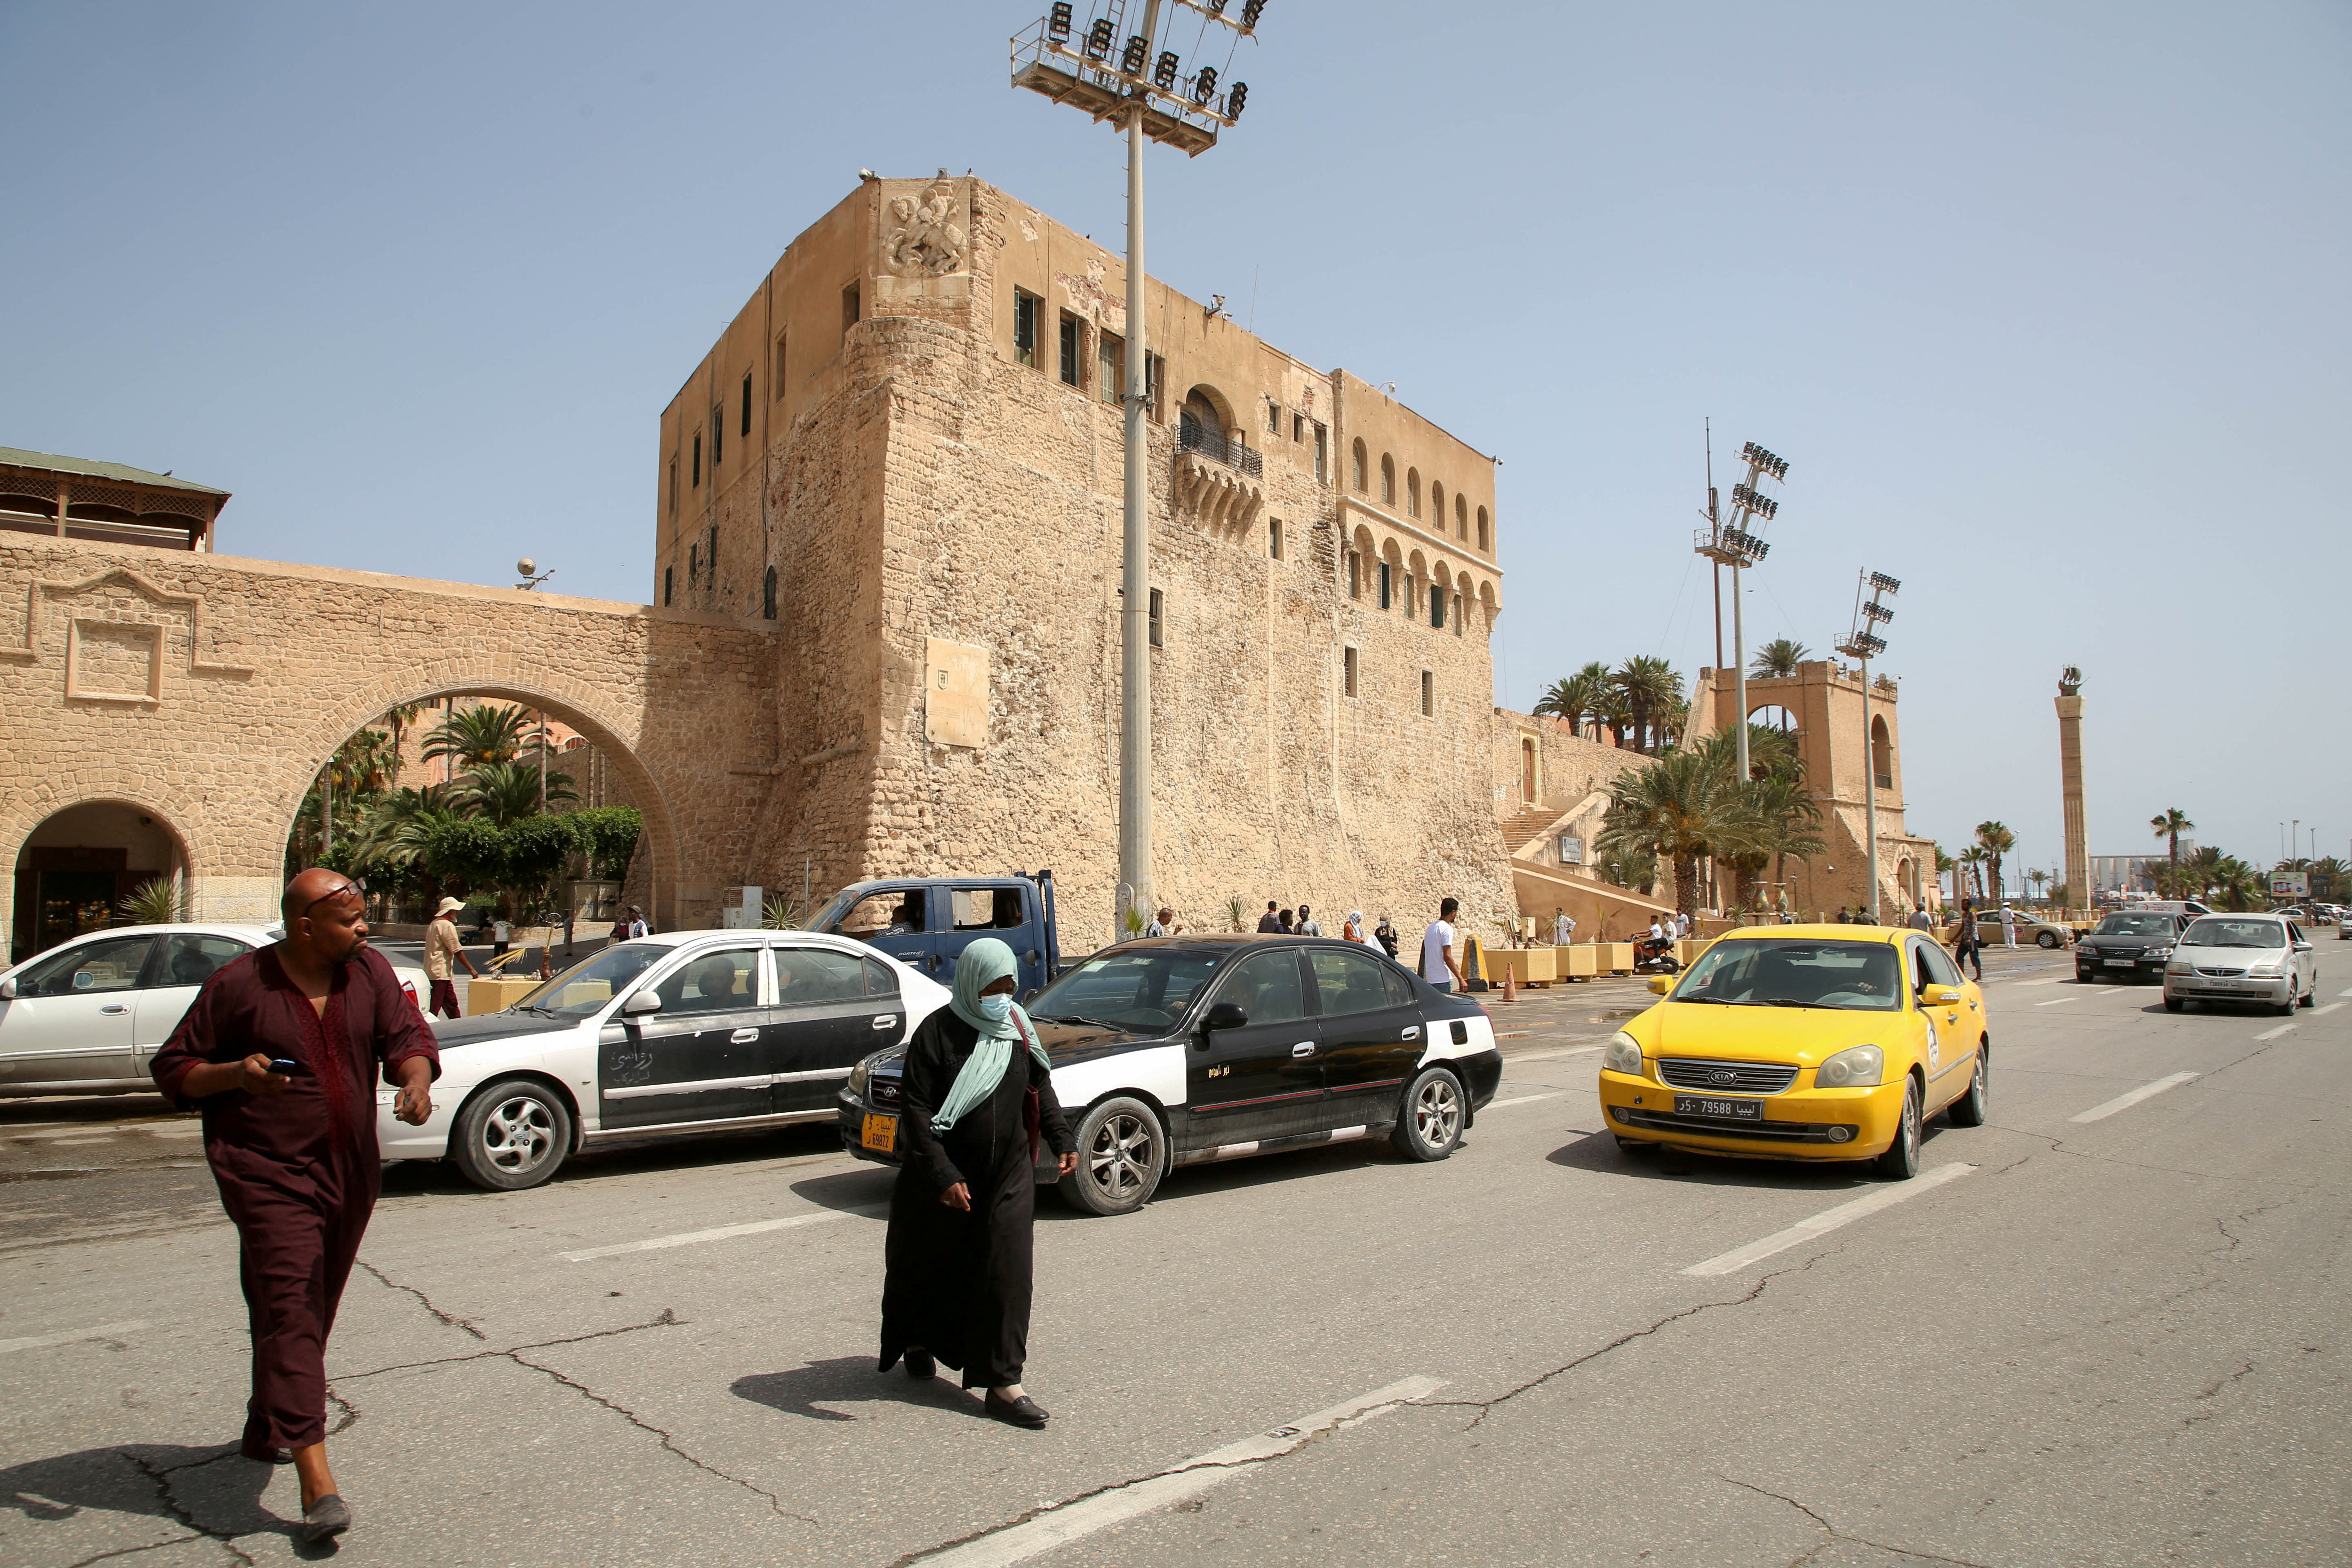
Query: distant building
(2126, 873)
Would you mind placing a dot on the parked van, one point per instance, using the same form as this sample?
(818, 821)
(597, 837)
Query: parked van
(2171, 907)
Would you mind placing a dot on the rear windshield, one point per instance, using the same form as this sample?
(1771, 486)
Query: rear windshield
(2135, 925)
(2222, 931)
(1792, 972)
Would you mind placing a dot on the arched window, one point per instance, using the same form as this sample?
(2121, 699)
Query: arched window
(1437, 503)
(1461, 518)
(1360, 482)
(1412, 491)
(1484, 543)
(1882, 755)
(768, 595)
(1387, 479)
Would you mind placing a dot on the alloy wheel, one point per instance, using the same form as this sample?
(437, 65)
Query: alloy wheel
(1120, 1161)
(518, 1134)
(1438, 1113)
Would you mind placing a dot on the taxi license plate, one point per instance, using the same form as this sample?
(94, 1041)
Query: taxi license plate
(1723, 1109)
(880, 1133)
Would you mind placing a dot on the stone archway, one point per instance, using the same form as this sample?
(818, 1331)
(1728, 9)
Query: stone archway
(569, 701)
(102, 842)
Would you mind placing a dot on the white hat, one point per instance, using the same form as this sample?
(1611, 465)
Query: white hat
(1355, 914)
(448, 904)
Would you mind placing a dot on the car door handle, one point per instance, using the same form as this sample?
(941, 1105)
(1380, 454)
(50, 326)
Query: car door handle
(114, 1007)
(1412, 1032)
(1303, 1048)
(742, 1037)
(1972, 1006)
(887, 1021)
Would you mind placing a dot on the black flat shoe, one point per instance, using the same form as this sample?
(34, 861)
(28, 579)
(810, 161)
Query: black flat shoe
(328, 1516)
(1021, 1411)
(919, 1364)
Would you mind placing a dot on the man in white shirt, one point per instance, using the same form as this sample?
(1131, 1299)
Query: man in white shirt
(1682, 924)
(2008, 926)
(1562, 928)
(1657, 931)
(1438, 964)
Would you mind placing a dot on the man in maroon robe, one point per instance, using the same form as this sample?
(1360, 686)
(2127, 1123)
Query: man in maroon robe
(293, 1149)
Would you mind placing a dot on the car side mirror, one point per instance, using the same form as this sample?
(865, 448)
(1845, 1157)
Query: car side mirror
(1939, 996)
(1660, 984)
(2303, 947)
(7, 990)
(641, 1001)
(1226, 1015)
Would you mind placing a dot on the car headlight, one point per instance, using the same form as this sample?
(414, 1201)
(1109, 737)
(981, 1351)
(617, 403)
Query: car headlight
(1856, 1067)
(2159, 952)
(860, 1075)
(1624, 1054)
(2268, 971)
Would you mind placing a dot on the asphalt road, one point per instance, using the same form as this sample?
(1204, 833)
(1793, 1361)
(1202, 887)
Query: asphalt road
(2108, 1340)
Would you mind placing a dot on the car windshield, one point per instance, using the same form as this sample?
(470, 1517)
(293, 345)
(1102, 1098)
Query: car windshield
(2217, 931)
(2134, 925)
(1129, 990)
(587, 985)
(1796, 973)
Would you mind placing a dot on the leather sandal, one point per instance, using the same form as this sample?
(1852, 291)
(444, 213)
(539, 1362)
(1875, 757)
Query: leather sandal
(1021, 1411)
(326, 1516)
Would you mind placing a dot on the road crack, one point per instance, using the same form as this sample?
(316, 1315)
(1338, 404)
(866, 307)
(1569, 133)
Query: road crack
(450, 1319)
(1831, 1534)
(179, 1511)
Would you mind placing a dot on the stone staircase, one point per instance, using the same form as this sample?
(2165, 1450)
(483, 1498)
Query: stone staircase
(1522, 826)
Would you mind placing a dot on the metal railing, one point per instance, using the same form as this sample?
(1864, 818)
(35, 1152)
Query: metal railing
(1194, 437)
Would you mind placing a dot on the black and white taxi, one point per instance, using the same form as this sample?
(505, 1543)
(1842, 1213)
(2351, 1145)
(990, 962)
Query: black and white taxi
(682, 1032)
(1175, 1050)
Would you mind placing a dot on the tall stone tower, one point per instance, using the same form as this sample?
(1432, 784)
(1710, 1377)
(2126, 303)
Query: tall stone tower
(2069, 784)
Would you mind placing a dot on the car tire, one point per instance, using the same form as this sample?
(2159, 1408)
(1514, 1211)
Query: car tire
(2047, 939)
(1901, 1161)
(512, 1135)
(1122, 1155)
(1969, 1110)
(1429, 1122)
(2287, 1009)
(2311, 997)
(2175, 1004)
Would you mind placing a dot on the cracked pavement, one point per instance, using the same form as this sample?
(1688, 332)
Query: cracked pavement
(2128, 1348)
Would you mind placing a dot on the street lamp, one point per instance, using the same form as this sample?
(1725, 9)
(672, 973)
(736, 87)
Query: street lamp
(1860, 644)
(1187, 112)
(1736, 545)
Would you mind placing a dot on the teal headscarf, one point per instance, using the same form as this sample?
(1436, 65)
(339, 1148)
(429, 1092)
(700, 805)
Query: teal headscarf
(983, 963)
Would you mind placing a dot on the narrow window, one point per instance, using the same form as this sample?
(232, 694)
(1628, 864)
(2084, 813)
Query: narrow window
(698, 459)
(1438, 505)
(1461, 519)
(1273, 536)
(718, 435)
(693, 564)
(849, 314)
(1482, 529)
(1322, 441)
(1360, 468)
(1386, 584)
(1412, 491)
(1024, 327)
(1437, 607)
(1348, 668)
(777, 380)
(1298, 426)
(1111, 365)
(1458, 614)
(669, 581)
(1387, 479)
(768, 595)
(1354, 574)
(1153, 367)
(1273, 418)
(1071, 373)
(747, 405)
(1428, 694)
(1155, 618)
(673, 486)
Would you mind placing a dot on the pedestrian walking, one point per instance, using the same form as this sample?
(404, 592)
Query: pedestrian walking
(281, 1051)
(977, 1092)
(442, 948)
(1164, 923)
(1307, 925)
(2008, 926)
(1919, 921)
(631, 925)
(1563, 927)
(1386, 935)
(1682, 924)
(1843, 919)
(1267, 923)
(501, 933)
(1966, 946)
(1438, 964)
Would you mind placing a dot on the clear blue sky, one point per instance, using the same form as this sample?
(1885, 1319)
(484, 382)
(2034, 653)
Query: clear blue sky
(2045, 304)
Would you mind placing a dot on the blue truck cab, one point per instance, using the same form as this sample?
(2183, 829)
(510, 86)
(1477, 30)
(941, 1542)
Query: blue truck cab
(927, 921)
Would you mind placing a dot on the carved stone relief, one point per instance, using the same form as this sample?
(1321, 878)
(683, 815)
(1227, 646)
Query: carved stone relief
(928, 237)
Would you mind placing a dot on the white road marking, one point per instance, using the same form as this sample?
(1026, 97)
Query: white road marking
(1551, 1056)
(1521, 1099)
(1829, 1220)
(1187, 1479)
(2054, 1001)
(2274, 1034)
(2322, 1012)
(2126, 1102)
(2344, 994)
(68, 1336)
(2056, 982)
(722, 1233)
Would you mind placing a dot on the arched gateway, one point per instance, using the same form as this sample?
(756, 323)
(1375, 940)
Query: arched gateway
(165, 712)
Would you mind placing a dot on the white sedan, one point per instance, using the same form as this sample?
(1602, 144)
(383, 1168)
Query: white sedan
(88, 1016)
(2262, 958)
(681, 1033)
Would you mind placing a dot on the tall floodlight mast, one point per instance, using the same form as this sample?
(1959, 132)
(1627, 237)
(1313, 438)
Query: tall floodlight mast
(1860, 644)
(1122, 76)
(1739, 544)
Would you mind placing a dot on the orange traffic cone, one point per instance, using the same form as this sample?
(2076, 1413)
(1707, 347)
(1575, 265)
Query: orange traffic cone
(1511, 982)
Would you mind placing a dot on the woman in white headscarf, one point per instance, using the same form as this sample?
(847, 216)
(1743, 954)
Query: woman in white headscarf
(977, 1094)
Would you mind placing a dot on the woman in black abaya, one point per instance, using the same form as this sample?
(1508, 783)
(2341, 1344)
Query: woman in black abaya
(977, 1093)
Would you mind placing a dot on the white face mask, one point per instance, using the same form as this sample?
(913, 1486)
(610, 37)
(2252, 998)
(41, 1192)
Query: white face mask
(999, 1007)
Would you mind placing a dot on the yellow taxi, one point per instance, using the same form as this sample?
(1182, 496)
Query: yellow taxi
(1827, 1042)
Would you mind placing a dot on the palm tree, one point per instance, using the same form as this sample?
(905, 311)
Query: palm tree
(1581, 696)
(2238, 886)
(2033, 881)
(507, 792)
(1674, 809)
(398, 720)
(1945, 864)
(2169, 825)
(2200, 873)
(1651, 688)
(2326, 877)
(475, 736)
(1998, 841)
(1779, 656)
(1972, 863)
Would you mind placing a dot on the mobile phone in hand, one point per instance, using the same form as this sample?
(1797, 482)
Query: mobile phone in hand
(286, 1065)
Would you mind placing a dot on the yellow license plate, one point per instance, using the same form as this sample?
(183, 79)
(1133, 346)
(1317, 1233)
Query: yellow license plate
(880, 1133)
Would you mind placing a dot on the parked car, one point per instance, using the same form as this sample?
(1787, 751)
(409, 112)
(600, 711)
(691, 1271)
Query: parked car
(927, 921)
(2241, 958)
(2124, 945)
(2031, 929)
(88, 1016)
(1174, 1050)
(2173, 907)
(685, 1032)
(1811, 1043)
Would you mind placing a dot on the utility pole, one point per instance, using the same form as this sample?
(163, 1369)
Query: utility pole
(1144, 92)
(1737, 545)
(1713, 526)
(1860, 644)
